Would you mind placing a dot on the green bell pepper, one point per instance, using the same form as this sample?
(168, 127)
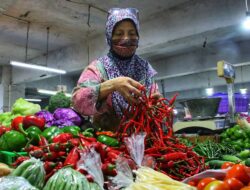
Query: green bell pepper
(74, 130)
(12, 141)
(110, 141)
(51, 132)
(33, 134)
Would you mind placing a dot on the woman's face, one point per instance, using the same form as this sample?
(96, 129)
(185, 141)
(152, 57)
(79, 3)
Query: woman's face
(125, 39)
(125, 30)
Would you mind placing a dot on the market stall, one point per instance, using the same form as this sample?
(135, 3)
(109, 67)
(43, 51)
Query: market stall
(43, 149)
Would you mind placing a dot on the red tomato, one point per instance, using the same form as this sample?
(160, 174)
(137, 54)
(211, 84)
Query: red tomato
(192, 183)
(227, 165)
(245, 188)
(234, 183)
(238, 171)
(203, 182)
(217, 185)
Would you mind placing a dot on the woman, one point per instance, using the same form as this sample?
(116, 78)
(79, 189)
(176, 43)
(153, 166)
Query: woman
(110, 83)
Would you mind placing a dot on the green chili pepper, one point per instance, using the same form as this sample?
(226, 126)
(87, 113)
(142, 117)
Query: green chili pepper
(74, 130)
(12, 141)
(51, 132)
(110, 141)
(90, 130)
(33, 134)
(87, 134)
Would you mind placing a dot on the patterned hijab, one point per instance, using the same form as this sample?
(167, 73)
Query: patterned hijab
(134, 67)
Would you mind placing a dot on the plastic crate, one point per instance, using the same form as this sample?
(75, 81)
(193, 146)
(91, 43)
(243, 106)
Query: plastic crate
(10, 157)
(241, 102)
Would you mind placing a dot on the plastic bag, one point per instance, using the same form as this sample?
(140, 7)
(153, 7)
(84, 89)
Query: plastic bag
(136, 147)
(90, 161)
(124, 175)
(13, 182)
(218, 174)
(146, 177)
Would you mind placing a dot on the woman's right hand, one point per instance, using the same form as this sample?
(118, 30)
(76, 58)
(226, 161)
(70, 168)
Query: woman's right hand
(128, 88)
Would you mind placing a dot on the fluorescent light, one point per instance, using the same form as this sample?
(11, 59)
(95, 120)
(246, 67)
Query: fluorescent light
(209, 91)
(243, 90)
(175, 111)
(33, 100)
(246, 23)
(37, 67)
(51, 92)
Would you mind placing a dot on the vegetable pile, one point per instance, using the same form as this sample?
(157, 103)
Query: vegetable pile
(151, 116)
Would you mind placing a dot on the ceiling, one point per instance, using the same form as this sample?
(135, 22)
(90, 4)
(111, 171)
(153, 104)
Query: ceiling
(69, 22)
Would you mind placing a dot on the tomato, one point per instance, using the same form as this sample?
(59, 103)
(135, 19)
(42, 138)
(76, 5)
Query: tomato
(217, 185)
(238, 171)
(227, 165)
(234, 183)
(192, 183)
(203, 182)
(245, 188)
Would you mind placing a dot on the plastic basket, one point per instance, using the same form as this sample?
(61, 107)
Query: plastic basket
(10, 157)
(241, 102)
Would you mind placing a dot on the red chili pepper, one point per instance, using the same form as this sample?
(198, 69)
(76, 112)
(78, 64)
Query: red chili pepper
(72, 158)
(19, 160)
(49, 166)
(17, 124)
(4, 129)
(174, 156)
(89, 178)
(74, 142)
(112, 156)
(82, 171)
(108, 133)
(31, 147)
(56, 147)
(51, 156)
(32, 120)
(109, 169)
(89, 139)
(38, 153)
(42, 141)
(59, 166)
(62, 138)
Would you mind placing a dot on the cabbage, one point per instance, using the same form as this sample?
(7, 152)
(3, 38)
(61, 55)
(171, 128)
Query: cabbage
(47, 116)
(66, 117)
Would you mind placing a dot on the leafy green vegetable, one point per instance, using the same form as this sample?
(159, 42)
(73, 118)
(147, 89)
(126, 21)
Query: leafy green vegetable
(212, 150)
(23, 107)
(59, 100)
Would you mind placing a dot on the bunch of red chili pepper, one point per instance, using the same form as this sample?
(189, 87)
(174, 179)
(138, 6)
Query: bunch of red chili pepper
(65, 151)
(151, 116)
(176, 159)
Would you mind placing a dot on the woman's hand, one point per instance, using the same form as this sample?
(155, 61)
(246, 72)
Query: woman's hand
(126, 86)
(156, 96)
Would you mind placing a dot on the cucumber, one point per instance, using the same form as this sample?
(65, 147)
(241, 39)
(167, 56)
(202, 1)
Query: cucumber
(231, 158)
(94, 186)
(247, 162)
(67, 179)
(33, 171)
(215, 164)
(21, 168)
